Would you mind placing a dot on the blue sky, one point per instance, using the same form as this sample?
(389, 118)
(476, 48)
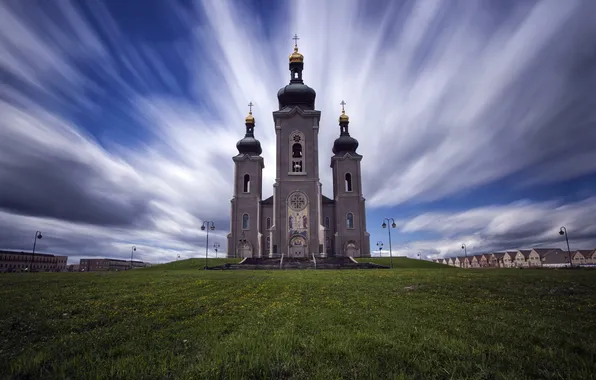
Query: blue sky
(476, 119)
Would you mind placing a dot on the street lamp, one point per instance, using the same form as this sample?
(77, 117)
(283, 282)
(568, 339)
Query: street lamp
(380, 246)
(132, 251)
(463, 246)
(385, 221)
(207, 225)
(563, 231)
(37, 236)
(216, 246)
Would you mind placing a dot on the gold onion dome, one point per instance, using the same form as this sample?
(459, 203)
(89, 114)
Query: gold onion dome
(250, 119)
(343, 118)
(296, 56)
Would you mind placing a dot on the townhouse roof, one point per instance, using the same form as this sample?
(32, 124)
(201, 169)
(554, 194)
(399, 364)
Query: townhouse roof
(555, 257)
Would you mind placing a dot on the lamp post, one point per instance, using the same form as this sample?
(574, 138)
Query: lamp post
(37, 236)
(463, 246)
(384, 225)
(563, 231)
(132, 251)
(380, 246)
(216, 247)
(207, 225)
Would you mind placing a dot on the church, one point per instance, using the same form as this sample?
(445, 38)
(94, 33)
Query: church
(298, 221)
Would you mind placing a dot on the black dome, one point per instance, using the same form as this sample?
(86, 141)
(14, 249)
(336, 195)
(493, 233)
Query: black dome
(345, 143)
(296, 94)
(249, 145)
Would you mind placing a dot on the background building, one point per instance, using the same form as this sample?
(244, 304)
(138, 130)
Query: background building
(11, 261)
(98, 265)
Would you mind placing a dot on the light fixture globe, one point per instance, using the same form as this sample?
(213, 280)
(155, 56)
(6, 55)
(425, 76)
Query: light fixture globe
(561, 232)
(202, 228)
(212, 227)
(384, 225)
(39, 236)
(393, 225)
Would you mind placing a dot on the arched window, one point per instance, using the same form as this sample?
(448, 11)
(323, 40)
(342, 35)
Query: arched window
(268, 244)
(246, 187)
(245, 220)
(326, 222)
(350, 220)
(296, 152)
(268, 223)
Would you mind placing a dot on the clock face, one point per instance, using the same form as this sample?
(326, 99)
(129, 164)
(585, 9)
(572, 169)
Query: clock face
(297, 201)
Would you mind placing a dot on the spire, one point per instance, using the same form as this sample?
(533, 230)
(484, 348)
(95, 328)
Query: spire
(344, 143)
(296, 56)
(296, 93)
(343, 117)
(249, 145)
(250, 118)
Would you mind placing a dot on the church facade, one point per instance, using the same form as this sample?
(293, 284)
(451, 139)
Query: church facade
(298, 221)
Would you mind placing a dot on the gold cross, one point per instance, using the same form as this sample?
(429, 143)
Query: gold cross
(342, 106)
(295, 38)
(250, 107)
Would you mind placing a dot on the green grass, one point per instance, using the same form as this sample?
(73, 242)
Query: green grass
(403, 262)
(162, 323)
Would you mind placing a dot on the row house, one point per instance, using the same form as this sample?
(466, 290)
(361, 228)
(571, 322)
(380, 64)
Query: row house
(584, 257)
(525, 258)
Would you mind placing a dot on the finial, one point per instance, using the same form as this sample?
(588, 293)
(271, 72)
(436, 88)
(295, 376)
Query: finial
(295, 38)
(250, 118)
(296, 56)
(343, 117)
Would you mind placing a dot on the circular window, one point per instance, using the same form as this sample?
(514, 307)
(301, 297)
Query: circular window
(297, 201)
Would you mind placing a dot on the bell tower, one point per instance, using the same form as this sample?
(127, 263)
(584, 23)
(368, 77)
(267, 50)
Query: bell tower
(297, 226)
(244, 240)
(351, 238)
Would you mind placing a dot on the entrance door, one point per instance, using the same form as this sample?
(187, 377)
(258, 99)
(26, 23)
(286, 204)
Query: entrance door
(297, 252)
(297, 247)
(244, 250)
(352, 250)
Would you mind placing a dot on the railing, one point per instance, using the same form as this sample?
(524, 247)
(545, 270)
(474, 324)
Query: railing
(281, 262)
(314, 259)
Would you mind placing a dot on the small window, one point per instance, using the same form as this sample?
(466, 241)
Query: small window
(268, 243)
(245, 220)
(246, 187)
(348, 182)
(326, 222)
(350, 220)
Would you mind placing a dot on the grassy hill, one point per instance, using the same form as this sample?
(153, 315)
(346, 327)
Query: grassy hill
(430, 323)
(191, 264)
(404, 262)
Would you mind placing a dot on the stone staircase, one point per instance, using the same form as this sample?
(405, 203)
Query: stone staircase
(288, 263)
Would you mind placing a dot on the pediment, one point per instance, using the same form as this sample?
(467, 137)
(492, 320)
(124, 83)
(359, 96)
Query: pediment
(290, 111)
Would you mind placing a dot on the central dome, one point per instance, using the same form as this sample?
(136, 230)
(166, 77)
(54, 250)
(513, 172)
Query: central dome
(296, 94)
